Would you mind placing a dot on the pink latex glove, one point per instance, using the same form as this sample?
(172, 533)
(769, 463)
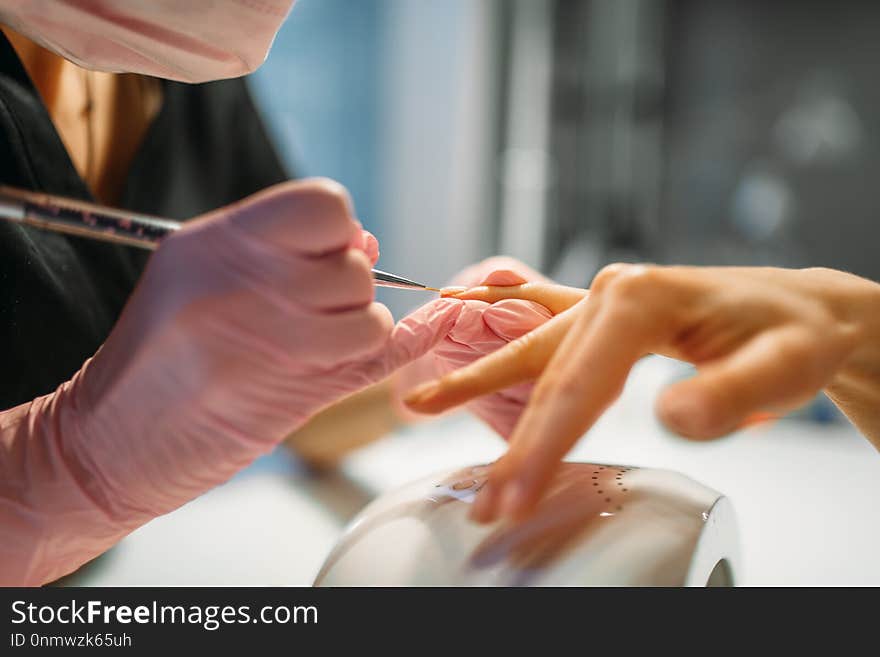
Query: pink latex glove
(244, 324)
(480, 330)
(192, 41)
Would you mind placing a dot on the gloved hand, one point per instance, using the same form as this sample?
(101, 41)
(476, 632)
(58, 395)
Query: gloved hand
(481, 328)
(244, 324)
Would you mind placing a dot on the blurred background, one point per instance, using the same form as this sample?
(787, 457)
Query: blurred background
(570, 134)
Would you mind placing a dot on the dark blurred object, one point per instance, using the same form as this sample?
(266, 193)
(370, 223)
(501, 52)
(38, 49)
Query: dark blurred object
(709, 132)
(771, 157)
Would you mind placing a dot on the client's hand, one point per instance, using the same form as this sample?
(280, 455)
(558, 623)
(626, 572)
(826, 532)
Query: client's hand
(763, 339)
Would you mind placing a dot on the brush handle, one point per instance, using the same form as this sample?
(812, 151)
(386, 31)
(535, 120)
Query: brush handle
(84, 219)
(73, 217)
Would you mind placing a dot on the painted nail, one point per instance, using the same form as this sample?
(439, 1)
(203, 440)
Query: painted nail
(452, 290)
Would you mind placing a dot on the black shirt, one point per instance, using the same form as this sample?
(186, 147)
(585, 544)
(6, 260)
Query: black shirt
(60, 295)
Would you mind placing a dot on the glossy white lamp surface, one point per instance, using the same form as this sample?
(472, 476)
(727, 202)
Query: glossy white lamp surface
(597, 525)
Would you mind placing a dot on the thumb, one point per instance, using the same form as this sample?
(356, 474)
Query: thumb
(774, 371)
(415, 335)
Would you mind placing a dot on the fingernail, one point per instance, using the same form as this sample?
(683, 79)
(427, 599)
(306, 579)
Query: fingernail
(503, 278)
(452, 290)
(421, 393)
(684, 415)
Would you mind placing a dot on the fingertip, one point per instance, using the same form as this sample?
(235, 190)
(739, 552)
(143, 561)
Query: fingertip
(370, 246)
(383, 321)
(427, 398)
(692, 415)
(328, 188)
(503, 278)
(479, 293)
(759, 417)
(359, 258)
(420, 393)
(438, 395)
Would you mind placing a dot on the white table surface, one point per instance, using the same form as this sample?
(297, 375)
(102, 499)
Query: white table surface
(807, 497)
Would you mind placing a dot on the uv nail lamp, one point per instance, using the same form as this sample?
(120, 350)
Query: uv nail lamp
(597, 525)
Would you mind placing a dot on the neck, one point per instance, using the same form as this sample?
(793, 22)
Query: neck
(43, 66)
(100, 117)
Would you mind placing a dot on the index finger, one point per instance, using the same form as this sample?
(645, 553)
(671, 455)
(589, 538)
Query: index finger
(585, 375)
(556, 298)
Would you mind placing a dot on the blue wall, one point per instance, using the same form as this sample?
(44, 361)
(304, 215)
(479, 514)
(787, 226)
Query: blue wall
(320, 93)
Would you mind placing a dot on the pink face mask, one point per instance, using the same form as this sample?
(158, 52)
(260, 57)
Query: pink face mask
(186, 40)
